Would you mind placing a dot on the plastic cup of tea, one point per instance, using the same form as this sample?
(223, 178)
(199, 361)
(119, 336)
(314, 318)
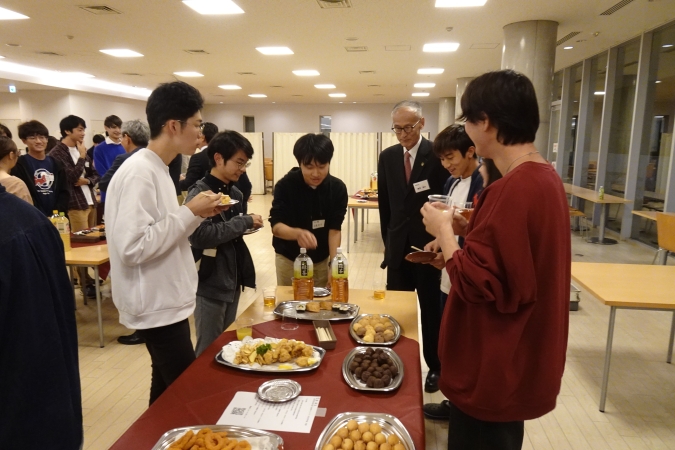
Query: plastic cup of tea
(289, 320)
(379, 290)
(465, 209)
(438, 198)
(244, 328)
(270, 297)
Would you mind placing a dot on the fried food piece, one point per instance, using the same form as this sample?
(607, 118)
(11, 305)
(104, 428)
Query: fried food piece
(326, 305)
(214, 441)
(313, 306)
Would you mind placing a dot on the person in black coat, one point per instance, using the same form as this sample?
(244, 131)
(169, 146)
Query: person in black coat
(199, 164)
(407, 174)
(39, 372)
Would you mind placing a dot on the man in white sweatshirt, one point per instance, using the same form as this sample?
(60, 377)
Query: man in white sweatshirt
(154, 280)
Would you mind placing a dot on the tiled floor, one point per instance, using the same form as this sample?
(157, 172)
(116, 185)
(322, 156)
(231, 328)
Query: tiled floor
(640, 411)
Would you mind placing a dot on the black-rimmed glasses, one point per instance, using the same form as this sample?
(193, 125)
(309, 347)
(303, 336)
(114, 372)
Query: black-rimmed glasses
(407, 128)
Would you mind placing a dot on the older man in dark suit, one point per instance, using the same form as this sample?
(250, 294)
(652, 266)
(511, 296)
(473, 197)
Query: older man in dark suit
(407, 174)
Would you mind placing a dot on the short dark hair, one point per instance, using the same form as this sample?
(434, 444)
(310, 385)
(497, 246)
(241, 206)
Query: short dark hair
(453, 138)
(111, 121)
(5, 131)
(209, 131)
(172, 101)
(507, 98)
(31, 128)
(98, 138)
(51, 143)
(69, 123)
(493, 173)
(313, 147)
(226, 144)
(7, 146)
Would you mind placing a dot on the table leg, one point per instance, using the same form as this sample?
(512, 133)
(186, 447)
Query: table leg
(349, 224)
(663, 256)
(356, 225)
(670, 343)
(608, 357)
(363, 221)
(97, 282)
(601, 239)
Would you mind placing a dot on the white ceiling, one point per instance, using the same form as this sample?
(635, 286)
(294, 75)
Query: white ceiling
(163, 29)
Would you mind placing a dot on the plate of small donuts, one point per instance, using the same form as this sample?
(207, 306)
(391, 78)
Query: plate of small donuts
(219, 437)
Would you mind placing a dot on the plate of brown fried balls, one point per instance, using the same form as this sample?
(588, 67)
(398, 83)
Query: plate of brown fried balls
(375, 329)
(375, 369)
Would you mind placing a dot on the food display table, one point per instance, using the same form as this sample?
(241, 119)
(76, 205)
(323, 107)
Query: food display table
(201, 394)
(89, 256)
(627, 286)
(353, 205)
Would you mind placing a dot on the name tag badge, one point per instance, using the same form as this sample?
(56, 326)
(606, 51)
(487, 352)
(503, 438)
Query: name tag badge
(421, 186)
(318, 224)
(86, 164)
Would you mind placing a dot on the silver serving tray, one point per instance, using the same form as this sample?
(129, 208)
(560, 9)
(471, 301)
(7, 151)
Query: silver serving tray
(246, 367)
(353, 383)
(389, 424)
(397, 331)
(279, 390)
(321, 315)
(239, 433)
(321, 292)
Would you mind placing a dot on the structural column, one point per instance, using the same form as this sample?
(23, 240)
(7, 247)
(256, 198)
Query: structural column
(446, 112)
(529, 48)
(461, 87)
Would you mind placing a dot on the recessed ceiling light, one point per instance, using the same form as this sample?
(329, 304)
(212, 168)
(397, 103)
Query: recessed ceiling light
(306, 73)
(220, 103)
(568, 48)
(599, 93)
(275, 50)
(459, 3)
(79, 75)
(667, 45)
(324, 86)
(6, 14)
(208, 7)
(188, 74)
(340, 95)
(430, 71)
(440, 47)
(121, 53)
(420, 94)
(229, 87)
(2, 57)
(257, 95)
(657, 81)
(425, 85)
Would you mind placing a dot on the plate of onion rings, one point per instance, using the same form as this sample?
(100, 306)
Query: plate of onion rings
(219, 436)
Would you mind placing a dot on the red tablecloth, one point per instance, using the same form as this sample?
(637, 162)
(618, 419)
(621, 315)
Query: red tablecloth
(201, 394)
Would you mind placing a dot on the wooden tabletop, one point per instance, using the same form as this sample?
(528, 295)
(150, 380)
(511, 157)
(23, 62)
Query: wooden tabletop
(356, 203)
(651, 215)
(94, 255)
(628, 285)
(402, 305)
(592, 196)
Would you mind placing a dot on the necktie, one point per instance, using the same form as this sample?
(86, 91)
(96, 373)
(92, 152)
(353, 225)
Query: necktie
(408, 169)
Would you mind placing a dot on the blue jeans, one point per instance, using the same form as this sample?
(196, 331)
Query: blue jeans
(212, 317)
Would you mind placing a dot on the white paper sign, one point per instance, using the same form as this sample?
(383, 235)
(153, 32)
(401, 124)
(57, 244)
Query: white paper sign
(246, 410)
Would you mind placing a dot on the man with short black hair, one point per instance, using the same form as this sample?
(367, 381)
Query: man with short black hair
(106, 152)
(154, 279)
(44, 176)
(199, 164)
(226, 266)
(308, 209)
(4, 131)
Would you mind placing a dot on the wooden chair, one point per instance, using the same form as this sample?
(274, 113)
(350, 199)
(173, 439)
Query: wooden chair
(583, 224)
(665, 231)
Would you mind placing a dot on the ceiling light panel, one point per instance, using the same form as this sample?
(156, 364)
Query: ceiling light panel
(229, 87)
(306, 73)
(257, 95)
(420, 94)
(6, 14)
(212, 7)
(459, 3)
(441, 47)
(430, 71)
(424, 85)
(275, 50)
(324, 86)
(188, 74)
(121, 53)
(337, 95)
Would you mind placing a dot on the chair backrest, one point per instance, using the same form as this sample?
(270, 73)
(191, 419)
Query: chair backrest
(665, 226)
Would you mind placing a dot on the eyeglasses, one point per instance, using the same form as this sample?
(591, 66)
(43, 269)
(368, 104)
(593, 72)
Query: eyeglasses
(407, 128)
(244, 165)
(200, 126)
(37, 137)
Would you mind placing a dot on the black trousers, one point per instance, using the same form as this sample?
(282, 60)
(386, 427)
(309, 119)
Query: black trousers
(171, 352)
(426, 280)
(468, 433)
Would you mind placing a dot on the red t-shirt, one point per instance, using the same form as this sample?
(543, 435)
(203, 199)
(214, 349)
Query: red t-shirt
(504, 331)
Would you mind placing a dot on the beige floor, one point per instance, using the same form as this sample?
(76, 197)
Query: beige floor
(640, 411)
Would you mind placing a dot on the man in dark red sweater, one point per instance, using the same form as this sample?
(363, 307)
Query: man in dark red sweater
(504, 330)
